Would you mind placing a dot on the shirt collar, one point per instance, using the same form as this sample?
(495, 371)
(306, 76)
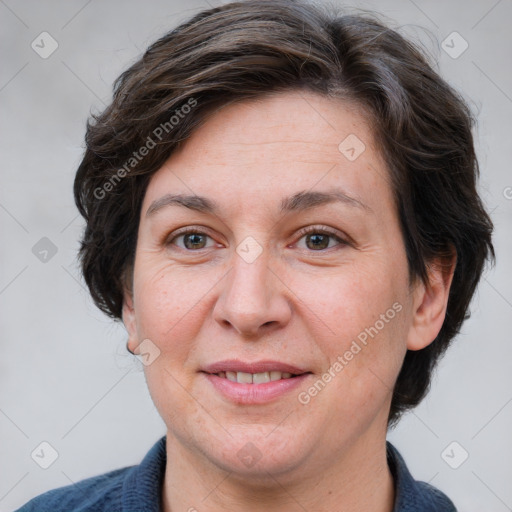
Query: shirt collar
(411, 495)
(142, 487)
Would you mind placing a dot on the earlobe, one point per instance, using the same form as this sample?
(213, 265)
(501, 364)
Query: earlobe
(430, 303)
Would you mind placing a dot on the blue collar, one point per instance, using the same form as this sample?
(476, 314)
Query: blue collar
(411, 495)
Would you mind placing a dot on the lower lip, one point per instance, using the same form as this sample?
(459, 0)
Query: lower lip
(254, 393)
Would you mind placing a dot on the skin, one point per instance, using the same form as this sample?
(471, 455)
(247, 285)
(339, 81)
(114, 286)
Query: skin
(294, 303)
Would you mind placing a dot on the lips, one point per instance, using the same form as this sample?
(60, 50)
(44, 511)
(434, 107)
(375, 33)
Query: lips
(259, 382)
(235, 365)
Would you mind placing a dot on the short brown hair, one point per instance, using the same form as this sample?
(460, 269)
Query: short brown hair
(245, 50)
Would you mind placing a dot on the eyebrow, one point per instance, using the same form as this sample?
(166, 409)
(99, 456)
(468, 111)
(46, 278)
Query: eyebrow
(300, 201)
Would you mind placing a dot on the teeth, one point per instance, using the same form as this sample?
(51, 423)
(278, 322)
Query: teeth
(259, 378)
(245, 378)
(254, 378)
(275, 375)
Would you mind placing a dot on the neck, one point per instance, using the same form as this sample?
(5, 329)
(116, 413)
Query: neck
(356, 480)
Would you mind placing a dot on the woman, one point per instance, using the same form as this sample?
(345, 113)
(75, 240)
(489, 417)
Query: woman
(281, 206)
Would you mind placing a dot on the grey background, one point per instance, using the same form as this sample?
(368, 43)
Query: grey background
(65, 376)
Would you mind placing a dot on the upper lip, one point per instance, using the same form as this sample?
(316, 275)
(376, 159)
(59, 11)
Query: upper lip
(235, 365)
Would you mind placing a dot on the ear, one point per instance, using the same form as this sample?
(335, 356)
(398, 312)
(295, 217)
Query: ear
(129, 319)
(430, 302)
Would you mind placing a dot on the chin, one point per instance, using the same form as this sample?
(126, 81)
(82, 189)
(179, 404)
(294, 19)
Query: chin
(259, 455)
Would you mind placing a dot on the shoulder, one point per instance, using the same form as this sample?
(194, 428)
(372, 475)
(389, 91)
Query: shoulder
(102, 492)
(412, 495)
(428, 498)
(126, 489)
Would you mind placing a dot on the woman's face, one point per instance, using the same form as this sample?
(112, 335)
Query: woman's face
(298, 267)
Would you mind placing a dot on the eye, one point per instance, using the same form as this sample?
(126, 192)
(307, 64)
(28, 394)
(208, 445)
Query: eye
(316, 239)
(319, 238)
(193, 239)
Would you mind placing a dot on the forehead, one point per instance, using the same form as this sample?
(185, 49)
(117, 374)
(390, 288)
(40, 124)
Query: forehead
(253, 151)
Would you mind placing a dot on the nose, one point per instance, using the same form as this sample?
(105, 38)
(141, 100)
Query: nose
(253, 299)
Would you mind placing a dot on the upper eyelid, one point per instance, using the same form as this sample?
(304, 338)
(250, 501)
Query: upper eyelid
(205, 231)
(320, 229)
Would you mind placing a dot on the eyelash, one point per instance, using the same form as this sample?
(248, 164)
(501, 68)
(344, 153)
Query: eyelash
(303, 232)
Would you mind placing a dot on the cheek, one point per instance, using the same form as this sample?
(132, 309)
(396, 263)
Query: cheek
(349, 299)
(359, 322)
(167, 300)
(168, 304)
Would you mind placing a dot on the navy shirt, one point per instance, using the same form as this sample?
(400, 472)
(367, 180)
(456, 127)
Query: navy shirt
(138, 489)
